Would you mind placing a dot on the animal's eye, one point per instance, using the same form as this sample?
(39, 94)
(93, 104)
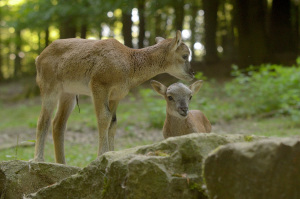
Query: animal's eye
(185, 56)
(191, 97)
(170, 98)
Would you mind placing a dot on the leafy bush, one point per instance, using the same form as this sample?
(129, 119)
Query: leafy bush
(155, 105)
(266, 90)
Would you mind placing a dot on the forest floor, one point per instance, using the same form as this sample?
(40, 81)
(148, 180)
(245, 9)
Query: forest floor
(18, 118)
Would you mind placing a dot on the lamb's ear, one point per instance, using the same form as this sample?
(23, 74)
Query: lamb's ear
(159, 39)
(159, 87)
(196, 86)
(176, 41)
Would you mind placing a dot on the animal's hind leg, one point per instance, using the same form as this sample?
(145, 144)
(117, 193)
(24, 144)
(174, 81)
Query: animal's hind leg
(48, 104)
(113, 124)
(65, 107)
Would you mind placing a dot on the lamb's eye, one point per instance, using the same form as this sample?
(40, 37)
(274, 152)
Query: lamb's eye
(170, 98)
(185, 56)
(191, 97)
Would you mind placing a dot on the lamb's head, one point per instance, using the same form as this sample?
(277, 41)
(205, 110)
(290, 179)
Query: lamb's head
(178, 96)
(177, 57)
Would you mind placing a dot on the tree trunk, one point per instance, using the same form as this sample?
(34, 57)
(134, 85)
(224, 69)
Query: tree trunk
(141, 8)
(194, 10)
(1, 60)
(17, 62)
(83, 30)
(281, 31)
(210, 25)
(250, 18)
(47, 37)
(67, 29)
(179, 14)
(158, 31)
(297, 27)
(228, 39)
(39, 42)
(126, 30)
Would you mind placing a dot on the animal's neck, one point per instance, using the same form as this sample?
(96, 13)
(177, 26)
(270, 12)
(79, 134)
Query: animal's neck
(175, 120)
(176, 124)
(147, 63)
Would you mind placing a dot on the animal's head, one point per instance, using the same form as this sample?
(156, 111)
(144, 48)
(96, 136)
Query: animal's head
(177, 57)
(178, 96)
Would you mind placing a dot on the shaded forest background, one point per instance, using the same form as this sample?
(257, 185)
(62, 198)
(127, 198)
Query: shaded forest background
(219, 32)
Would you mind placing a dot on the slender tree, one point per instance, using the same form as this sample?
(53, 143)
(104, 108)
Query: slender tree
(67, 28)
(210, 25)
(194, 11)
(227, 29)
(252, 41)
(142, 26)
(296, 13)
(126, 30)
(1, 60)
(17, 61)
(83, 30)
(179, 14)
(281, 33)
(47, 34)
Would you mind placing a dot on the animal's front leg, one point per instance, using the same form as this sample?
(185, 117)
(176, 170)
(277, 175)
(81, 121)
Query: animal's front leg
(113, 125)
(104, 117)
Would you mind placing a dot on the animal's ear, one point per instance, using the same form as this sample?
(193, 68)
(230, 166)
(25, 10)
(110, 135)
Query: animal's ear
(159, 87)
(196, 86)
(176, 41)
(159, 39)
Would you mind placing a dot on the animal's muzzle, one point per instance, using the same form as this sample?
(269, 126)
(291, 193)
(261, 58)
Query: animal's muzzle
(183, 111)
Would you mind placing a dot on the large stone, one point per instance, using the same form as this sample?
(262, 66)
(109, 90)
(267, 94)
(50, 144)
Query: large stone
(268, 169)
(170, 169)
(18, 178)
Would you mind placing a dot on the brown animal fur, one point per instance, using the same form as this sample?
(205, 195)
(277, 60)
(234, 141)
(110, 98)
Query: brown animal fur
(105, 70)
(179, 120)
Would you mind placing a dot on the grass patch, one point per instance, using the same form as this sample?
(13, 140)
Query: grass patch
(261, 101)
(76, 154)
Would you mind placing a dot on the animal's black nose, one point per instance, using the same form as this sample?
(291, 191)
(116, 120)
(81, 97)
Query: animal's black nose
(184, 111)
(192, 72)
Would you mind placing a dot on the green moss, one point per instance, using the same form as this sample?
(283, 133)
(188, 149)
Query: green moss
(158, 153)
(197, 186)
(106, 184)
(248, 138)
(216, 149)
(178, 175)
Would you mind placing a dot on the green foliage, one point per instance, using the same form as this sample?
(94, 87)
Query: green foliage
(76, 154)
(197, 187)
(200, 76)
(266, 90)
(155, 106)
(248, 138)
(106, 185)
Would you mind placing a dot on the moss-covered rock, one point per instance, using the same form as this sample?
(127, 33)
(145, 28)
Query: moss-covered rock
(170, 169)
(18, 178)
(264, 169)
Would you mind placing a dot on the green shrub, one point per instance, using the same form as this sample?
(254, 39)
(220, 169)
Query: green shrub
(266, 90)
(155, 106)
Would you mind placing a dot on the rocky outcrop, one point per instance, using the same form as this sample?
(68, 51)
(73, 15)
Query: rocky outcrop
(170, 169)
(18, 178)
(265, 169)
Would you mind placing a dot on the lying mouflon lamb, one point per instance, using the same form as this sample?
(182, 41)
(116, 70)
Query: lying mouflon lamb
(179, 120)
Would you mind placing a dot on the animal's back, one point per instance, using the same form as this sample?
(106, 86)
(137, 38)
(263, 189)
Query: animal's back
(73, 62)
(200, 121)
(78, 52)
